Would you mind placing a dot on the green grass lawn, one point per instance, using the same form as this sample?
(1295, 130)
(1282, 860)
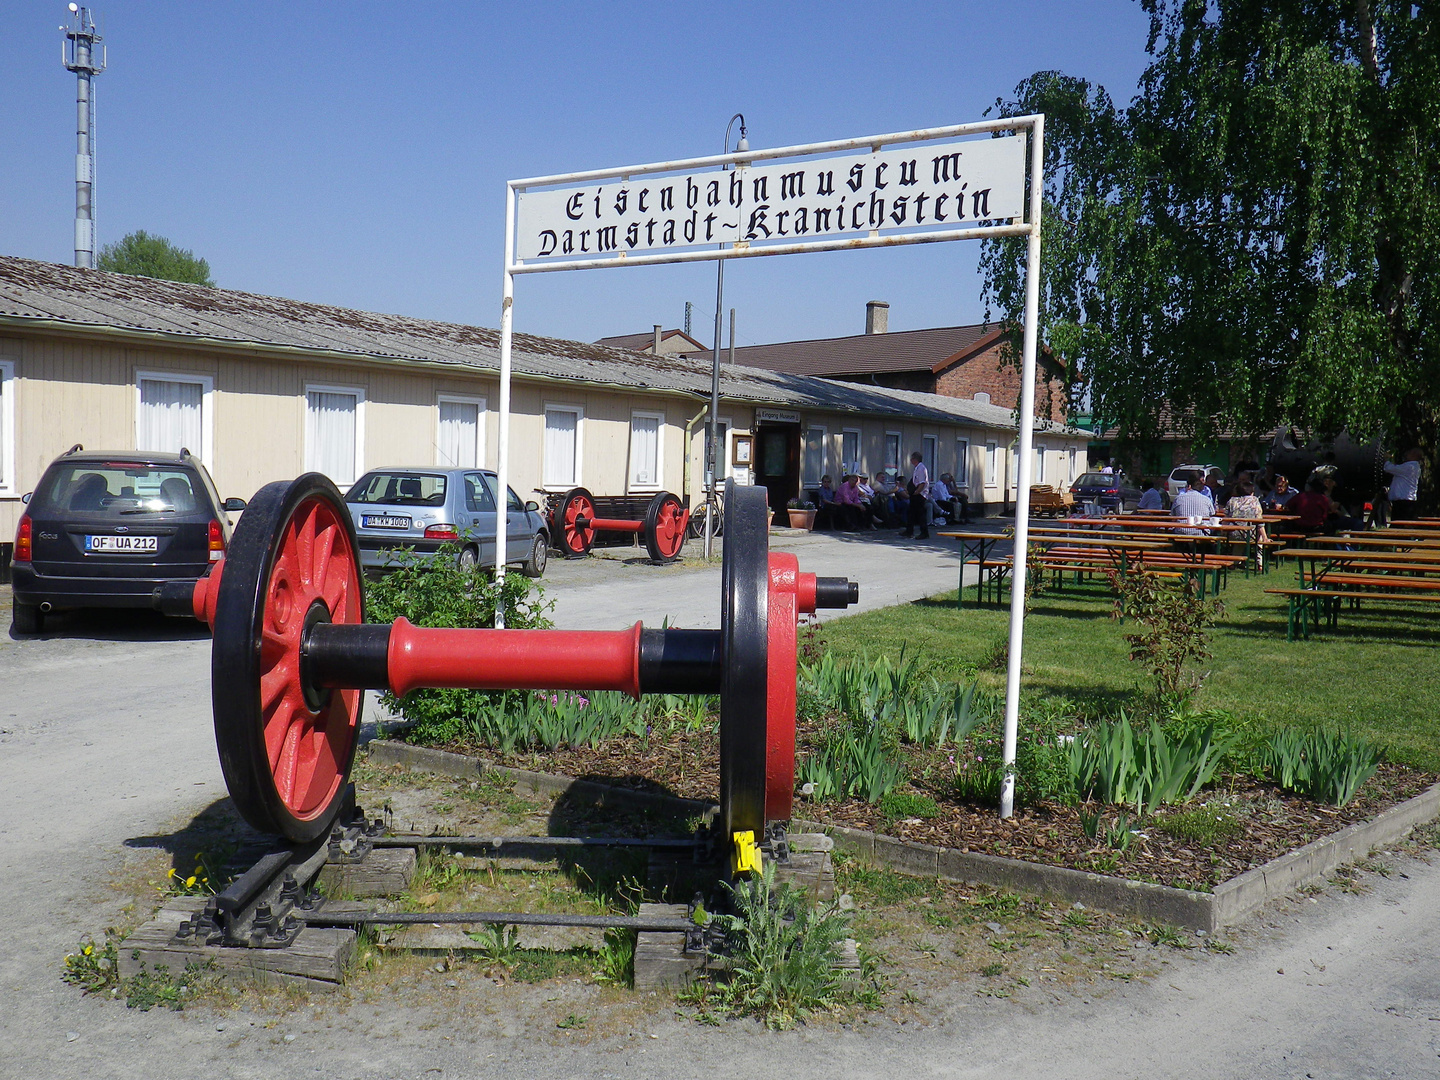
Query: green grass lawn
(1378, 674)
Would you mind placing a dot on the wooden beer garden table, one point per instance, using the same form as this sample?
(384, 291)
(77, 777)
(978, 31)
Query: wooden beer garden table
(992, 572)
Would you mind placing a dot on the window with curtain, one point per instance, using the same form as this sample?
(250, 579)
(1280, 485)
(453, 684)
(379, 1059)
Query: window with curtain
(7, 426)
(850, 451)
(962, 463)
(1039, 477)
(814, 464)
(330, 434)
(562, 444)
(992, 464)
(170, 416)
(644, 450)
(892, 451)
(930, 447)
(458, 446)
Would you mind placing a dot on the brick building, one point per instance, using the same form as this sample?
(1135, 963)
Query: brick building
(956, 361)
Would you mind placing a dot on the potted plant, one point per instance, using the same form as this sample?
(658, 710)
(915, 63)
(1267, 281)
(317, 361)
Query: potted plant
(802, 514)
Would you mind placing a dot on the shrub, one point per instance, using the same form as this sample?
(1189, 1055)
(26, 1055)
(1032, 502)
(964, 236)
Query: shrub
(1328, 766)
(1173, 632)
(906, 804)
(438, 593)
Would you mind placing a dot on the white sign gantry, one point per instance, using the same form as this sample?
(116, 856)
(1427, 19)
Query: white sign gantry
(963, 182)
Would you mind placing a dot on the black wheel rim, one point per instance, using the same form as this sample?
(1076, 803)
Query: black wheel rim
(744, 626)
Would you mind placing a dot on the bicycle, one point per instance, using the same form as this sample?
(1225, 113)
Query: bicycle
(714, 503)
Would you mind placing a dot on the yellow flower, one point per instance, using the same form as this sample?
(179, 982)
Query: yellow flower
(89, 949)
(190, 882)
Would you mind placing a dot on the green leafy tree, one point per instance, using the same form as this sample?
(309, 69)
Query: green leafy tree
(154, 257)
(1255, 238)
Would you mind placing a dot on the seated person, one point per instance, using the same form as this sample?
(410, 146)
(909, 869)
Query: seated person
(1313, 506)
(849, 508)
(1192, 503)
(1150, 497)
(1244, 504)
(1280, 496)
(942, 505)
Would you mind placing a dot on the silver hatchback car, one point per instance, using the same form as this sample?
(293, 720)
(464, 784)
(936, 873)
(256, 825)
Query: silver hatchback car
(425, 508)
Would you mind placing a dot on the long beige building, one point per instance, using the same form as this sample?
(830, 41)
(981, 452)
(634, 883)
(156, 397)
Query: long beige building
(264, 388)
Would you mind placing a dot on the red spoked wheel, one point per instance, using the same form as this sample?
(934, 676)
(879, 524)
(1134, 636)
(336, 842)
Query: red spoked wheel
(781, 664)
(286, 746)
(665, 521)
(572, 530)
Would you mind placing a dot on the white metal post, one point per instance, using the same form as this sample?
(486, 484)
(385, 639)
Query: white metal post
(1022, 493)
(502, 456)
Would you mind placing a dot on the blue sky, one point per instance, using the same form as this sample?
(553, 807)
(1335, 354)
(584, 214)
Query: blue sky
(356, 154)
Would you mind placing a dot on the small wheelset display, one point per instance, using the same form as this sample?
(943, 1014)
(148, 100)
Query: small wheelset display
(292, 654)
(574, 523)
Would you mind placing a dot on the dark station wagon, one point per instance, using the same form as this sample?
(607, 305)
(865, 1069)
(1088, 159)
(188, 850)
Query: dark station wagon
(1112, 491)
(105, 529)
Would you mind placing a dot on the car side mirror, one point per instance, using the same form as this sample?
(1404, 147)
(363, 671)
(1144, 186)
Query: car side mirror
(234, 504)
(26, 497)
(532, 506)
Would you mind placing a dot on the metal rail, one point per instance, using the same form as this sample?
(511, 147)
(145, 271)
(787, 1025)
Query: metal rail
(400, 840)
(670, 924)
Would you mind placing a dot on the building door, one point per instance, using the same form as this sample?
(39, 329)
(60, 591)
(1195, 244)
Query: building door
(777, 462)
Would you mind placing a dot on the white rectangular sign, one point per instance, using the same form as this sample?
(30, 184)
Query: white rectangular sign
(905, 188)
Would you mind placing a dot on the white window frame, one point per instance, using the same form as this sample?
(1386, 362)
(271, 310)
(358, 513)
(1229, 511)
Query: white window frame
(962, 463)
(900, 459)
(462, 399)
(9, 481)
(207, 408)
(659, 417)
(1039, 477)
(579, 413)
(992, 463)
(930, 450)
(824, 453)
(359, 394)
(857, 465)
(1074, 454)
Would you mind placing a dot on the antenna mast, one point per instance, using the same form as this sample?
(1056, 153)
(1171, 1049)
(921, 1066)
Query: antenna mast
(78, 55)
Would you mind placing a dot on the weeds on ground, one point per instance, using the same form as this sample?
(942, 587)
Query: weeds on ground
(1324, 765)
(782, 955)
(94, 968)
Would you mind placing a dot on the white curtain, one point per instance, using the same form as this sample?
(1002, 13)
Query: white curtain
(1039, 477)
(644, 451)
(459, 434)
(992, 465)
(814, 455)
(892, 453)
(170, 416)
(931, 451)
(561, 429)
(330, 434)
(962, 463)
(850, 451)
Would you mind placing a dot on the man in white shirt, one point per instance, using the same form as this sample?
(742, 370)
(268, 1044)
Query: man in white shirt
(939, 500)
(919, 498)
(1405, 487)
(1192, 503)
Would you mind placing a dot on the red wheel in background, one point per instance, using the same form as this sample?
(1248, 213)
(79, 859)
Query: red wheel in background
(285, 746)
(665, 523)
(571, 527)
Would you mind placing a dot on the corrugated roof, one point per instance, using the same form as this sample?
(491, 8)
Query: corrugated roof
(34, 292)
(864, 354)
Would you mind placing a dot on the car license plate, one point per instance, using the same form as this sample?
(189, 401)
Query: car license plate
(384, 521)
(122, 545)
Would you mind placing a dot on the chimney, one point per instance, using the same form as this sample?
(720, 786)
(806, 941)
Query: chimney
(877, 317)
(659, 336)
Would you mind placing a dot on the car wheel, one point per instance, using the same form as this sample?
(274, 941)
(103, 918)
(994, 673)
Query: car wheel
(26, 618)
(469, 560)
(539, 556)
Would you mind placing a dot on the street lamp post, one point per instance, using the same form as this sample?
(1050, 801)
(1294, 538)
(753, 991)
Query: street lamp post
(712, 450)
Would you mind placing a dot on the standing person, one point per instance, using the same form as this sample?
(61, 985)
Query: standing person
(919, 491)
(1405, 487)
(1192, 503)
(1150, 497)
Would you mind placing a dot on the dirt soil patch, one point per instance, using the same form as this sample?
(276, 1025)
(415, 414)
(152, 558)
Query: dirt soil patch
(1242, 823)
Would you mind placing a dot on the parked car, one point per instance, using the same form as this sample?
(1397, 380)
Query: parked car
(105, 529)
(425, 508)
(1113, 491)
(1176, 482)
